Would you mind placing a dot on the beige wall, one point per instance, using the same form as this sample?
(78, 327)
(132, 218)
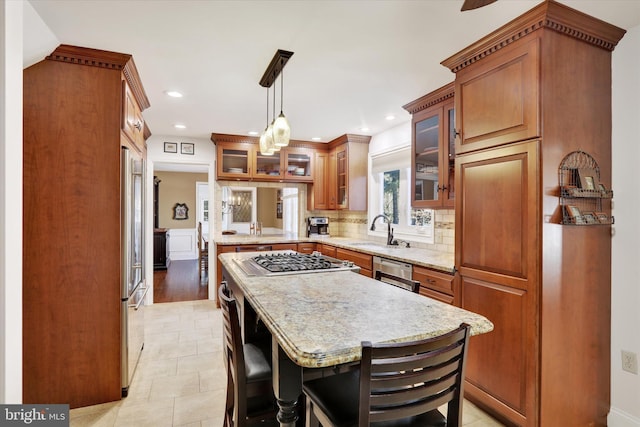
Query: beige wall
(177, 187)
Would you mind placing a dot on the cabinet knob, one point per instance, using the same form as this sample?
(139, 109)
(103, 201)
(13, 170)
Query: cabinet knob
(138, 125)
(456, 133)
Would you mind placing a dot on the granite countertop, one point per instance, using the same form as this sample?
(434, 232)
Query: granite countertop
(441, 261)
(320, 319)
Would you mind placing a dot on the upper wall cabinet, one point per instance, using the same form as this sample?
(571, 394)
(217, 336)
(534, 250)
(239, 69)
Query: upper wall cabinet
(239, 158)
(497, 100)
(433, 149)
(341, 178)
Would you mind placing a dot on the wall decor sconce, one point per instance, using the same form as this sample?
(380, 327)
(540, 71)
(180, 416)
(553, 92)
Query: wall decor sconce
(230, 205)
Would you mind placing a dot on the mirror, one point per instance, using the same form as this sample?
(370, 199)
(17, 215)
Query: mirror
(275, 208)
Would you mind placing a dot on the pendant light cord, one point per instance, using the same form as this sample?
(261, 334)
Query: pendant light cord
(281, 84)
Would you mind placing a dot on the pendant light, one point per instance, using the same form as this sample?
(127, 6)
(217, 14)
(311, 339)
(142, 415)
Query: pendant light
(281, 128)
(277, 134)
(266, 139)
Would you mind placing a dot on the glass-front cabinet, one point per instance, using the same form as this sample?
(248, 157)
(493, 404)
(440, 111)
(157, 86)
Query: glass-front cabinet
(235, 160)
(433, 149)
(243, 161)
(342, 177)
(268, 167)
(298, 163)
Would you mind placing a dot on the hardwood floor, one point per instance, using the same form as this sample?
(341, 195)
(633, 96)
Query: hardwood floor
(182, 281)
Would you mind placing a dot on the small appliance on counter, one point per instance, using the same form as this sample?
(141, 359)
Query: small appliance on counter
(317, 226)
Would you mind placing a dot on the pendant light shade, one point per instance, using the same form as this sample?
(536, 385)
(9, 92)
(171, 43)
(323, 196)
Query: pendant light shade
(266, 139)
(281, 131)
(281, 128)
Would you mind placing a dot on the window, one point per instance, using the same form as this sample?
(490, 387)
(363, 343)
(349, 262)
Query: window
(389, 193)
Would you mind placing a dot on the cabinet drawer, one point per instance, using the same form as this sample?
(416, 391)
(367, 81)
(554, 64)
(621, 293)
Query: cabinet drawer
(439, 296)
(366, 272)
(284, 247)
(434, 280)
(327, 250)
(306, 248)
(361, 260)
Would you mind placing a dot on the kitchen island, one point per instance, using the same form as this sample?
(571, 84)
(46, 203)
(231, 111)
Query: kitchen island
(319, 320)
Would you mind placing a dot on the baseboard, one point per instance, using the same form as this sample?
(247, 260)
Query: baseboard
(618, 418)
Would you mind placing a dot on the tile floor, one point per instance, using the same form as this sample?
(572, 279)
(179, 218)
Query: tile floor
(180, 380)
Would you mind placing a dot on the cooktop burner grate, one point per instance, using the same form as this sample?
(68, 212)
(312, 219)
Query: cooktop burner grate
(292, 262)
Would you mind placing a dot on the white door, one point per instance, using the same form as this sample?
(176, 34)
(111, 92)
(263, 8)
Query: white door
(202, 213)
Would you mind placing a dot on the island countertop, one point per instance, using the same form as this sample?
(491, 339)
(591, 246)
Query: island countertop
(320, 319)
(436, 260)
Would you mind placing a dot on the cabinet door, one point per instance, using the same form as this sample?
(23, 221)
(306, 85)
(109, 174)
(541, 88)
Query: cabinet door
(428, 135)
(267, 167)
(332, 184)
(320, 192)
(497, 248)
(342, 178)
(132, 121)
(234, 160)
(298, 164)
(497, 99)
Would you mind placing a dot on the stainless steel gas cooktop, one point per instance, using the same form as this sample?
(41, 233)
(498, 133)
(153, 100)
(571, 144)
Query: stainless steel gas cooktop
(282, 263)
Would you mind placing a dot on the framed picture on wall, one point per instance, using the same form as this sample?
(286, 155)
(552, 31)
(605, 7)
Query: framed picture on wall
(187, 148)
(170, 147)
(180, 211)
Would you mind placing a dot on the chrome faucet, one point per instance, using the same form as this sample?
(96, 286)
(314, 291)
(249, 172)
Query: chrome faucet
(390, 240)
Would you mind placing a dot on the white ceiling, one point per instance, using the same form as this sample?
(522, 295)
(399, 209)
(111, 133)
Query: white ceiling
(355, 62)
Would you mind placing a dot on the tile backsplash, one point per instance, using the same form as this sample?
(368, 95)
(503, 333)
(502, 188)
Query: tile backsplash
(355, 225)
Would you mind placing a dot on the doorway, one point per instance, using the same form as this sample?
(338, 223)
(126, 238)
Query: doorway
(184, 185)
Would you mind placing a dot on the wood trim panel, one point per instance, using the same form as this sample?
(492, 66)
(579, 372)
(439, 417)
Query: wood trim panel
(549, 15)
(228, 138)
(432, 98)
(104, 59)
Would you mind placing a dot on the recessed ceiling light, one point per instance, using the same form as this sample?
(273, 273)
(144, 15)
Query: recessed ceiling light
(390, 117)
(178, 126)
(253, 133)
(316, 138)
(365, 129)
(174, 94)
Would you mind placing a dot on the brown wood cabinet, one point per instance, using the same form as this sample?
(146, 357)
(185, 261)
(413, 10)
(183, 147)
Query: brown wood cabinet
(437, 285)
(239, 158)
(520, 109)
(74, 104)
(327, 250)
(433, 149)
(132, 121)
(341, 181)
(306, 247)
(362, 260)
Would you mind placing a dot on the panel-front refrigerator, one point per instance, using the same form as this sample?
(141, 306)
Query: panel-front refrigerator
(133, 288)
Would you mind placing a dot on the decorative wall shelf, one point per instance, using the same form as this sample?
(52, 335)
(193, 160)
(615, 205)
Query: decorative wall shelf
(581, 192)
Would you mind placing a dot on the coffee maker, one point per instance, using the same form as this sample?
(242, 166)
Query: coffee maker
(317, 226)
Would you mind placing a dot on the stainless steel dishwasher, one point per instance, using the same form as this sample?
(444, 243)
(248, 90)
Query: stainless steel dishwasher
(397, 268)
